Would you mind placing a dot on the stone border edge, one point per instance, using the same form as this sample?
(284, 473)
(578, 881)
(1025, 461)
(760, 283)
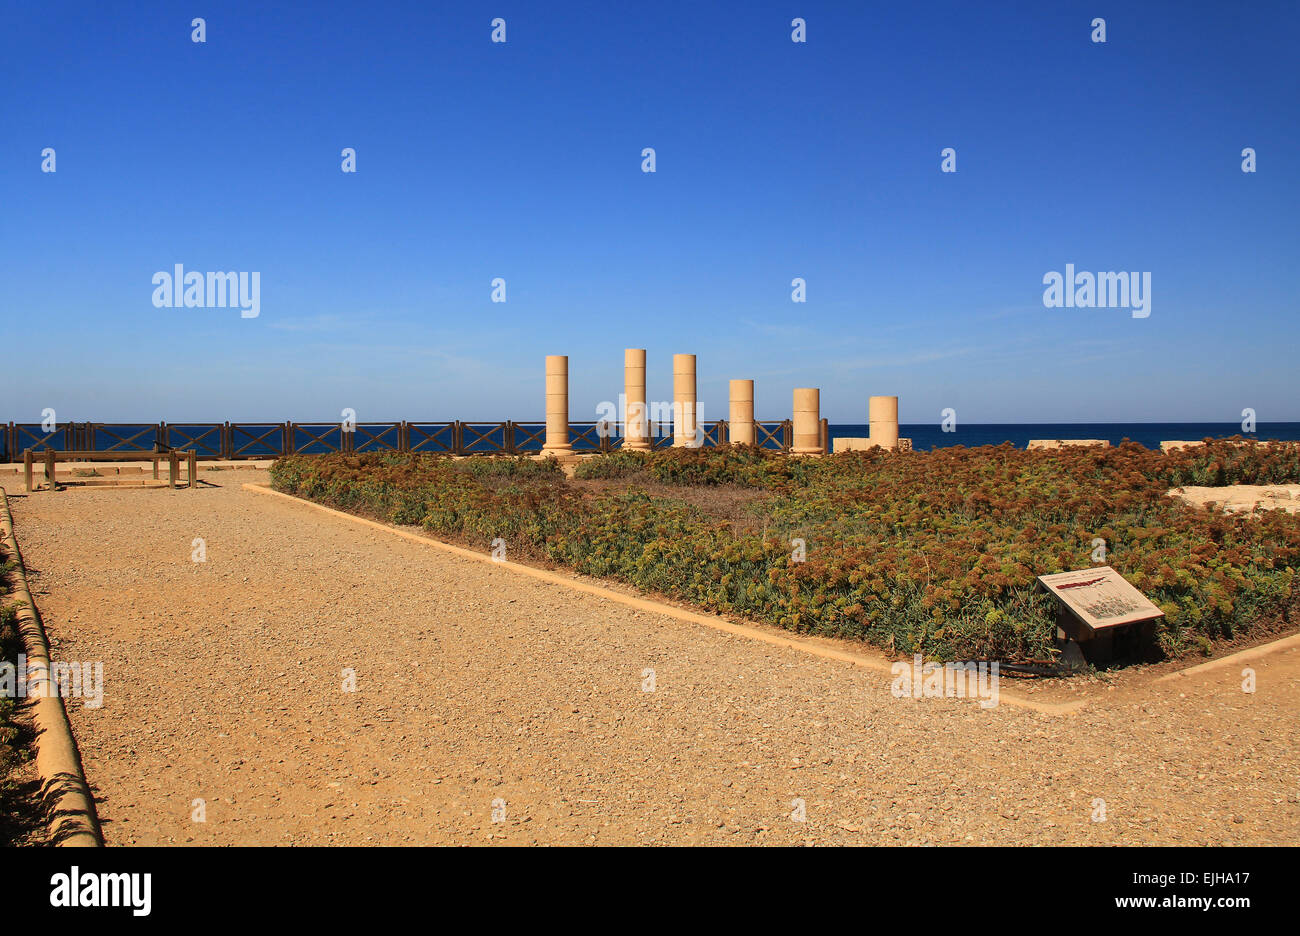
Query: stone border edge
(64, 790)
(1232, 659)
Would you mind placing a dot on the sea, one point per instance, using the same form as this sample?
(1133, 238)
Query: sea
(932, 436)
(264, 440)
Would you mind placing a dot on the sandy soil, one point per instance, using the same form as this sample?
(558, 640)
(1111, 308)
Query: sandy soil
(474, 687)
(1239, 498)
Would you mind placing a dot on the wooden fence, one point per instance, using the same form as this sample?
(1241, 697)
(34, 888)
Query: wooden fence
(271, 440)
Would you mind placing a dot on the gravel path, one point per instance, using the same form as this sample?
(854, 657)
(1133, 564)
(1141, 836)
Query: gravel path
(476, 687)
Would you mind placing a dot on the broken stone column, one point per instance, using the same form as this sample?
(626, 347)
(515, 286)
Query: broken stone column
(636, 425)
(882, 415)
(1064, 443)
(807, 429)
(684, 415)
(740, 427)
(557, 405)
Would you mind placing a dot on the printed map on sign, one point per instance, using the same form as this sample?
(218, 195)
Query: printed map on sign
(1101, 597)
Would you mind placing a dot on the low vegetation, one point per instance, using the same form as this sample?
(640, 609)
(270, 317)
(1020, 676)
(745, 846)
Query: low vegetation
(16, 809)
(935, 552)
(9, 649)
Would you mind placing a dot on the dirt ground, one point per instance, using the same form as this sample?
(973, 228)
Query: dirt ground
(1239, 498)
(494, 708)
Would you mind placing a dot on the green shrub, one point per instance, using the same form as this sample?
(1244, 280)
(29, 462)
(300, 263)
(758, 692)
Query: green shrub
(934, 553)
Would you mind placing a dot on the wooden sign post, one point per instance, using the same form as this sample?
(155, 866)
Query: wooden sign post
(1095, 605)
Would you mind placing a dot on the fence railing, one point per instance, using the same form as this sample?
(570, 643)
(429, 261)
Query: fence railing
(236, 440)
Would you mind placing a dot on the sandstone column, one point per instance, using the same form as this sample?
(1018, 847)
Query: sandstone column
(684, 415)
(741, 416)
(807, 422)
(882, 414)
(557, 405)
(636, 428)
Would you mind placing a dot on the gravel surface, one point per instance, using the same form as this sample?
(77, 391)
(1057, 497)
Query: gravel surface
(481, 690)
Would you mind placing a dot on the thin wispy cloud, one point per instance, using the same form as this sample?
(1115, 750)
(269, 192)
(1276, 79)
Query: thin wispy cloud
(773, 330)
(900, 360)
(313, 323)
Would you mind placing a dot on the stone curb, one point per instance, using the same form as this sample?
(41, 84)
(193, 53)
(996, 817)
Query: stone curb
(1252, 653)
(64, 790)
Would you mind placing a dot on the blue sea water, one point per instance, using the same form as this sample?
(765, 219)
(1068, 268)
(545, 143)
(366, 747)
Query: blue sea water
(264, 440)
(931, 436)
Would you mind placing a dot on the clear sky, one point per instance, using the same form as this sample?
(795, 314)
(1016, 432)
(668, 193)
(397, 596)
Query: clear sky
(774, 160)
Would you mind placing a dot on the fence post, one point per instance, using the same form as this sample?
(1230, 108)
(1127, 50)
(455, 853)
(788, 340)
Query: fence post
(787, 430)
(456, 439)
(286, 446)
(509, 436)
(225, 442)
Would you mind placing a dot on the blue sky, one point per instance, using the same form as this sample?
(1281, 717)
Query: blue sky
(775, 160)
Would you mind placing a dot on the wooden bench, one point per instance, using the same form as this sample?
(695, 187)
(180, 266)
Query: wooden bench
(173, 457)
